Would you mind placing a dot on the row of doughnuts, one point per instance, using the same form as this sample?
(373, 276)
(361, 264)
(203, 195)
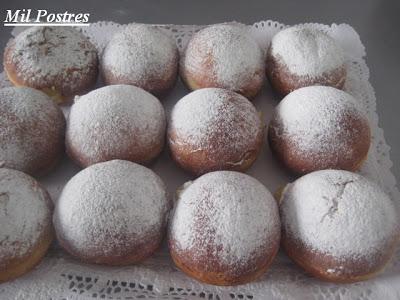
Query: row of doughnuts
(210, 129)
(63, 63)
(219, 56)
(225, 227)
(86, 221)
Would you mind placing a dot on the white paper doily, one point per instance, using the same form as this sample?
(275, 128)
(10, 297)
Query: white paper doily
(60, 276)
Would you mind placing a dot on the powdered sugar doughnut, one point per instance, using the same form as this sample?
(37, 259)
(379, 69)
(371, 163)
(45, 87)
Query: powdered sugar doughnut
(301, 56)
(338, 225)
(32, 130)
(224, 56)
(59, 61)
(112, 213)
(141, 55)
(25, 221)
(319, 127)
(225, 228)
(214, 129)
(115, 122)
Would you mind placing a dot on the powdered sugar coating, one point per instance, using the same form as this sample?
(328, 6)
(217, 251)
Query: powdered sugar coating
(307, 51)
(339, 213)
(31, 129)
(53, 57)
(219, 115)
(141, 55)
(227, 55)
(115, 122)
(25, 215)
(111, 209)
(225, 215)
(316, 120)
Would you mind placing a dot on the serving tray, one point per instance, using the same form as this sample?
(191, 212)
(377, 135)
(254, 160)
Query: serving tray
(60, 276)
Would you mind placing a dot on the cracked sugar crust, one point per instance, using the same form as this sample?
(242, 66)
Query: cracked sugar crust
(25, 214)
(335, 199)
(58, 58)
(339, 213)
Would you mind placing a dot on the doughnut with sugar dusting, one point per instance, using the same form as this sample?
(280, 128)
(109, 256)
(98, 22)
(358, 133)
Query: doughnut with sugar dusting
(224, 56)
(225, 228)
(25, 221)
(115, 122)
(143, 56)
(32, 129)
(302, 56)
(112, 213)
(59, 61)
(215, 129)
(338, 226)
(319, 127)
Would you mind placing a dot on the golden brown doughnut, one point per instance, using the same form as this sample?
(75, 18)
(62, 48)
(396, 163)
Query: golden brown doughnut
(224, 56)
(225, 228)
(25, 221)
(301, 56)
(319, 127)
(112, 213)
(143, 56)
(32, 129)
(339, 226)
(214, 129)
(59, 61)
(115, 122)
